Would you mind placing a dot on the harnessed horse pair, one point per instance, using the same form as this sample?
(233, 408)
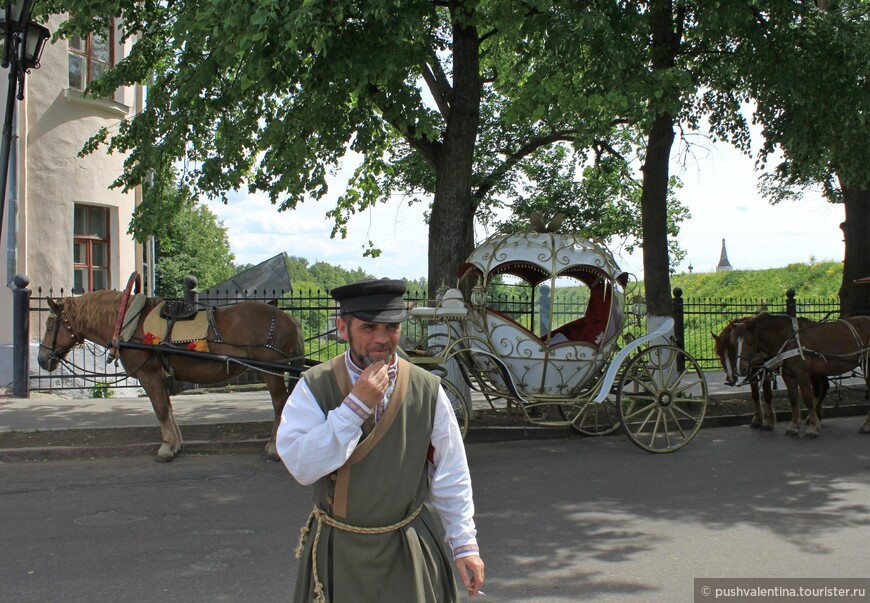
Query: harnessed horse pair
(805, 354)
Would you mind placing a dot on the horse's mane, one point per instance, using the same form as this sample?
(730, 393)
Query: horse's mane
(93, 310)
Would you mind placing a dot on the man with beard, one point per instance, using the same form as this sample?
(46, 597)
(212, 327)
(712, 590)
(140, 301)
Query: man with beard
(377, 437)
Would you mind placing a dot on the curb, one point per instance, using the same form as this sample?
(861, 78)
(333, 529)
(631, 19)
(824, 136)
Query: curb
(476, 435)
(71, 453)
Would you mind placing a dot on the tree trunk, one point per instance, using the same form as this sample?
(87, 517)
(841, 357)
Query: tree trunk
(855, 298)
(664, 27)
(654, 217)
(451, 222)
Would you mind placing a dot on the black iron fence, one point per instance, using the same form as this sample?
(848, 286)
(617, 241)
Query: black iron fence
(87, 367)
(695, 320)
(703, 317)
(89, 370)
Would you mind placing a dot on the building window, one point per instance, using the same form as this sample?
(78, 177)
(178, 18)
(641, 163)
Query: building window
(91, 246)
(89, 58)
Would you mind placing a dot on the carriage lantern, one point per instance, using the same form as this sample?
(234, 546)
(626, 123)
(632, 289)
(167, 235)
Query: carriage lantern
(478, 295)
(439, 294)
(638, 309)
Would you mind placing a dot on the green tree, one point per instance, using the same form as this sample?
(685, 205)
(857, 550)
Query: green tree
(670, 64)
(189, 239)
(633, 70)
(297, 269)
(194, 242)
(274, 94)
(602, 201)
(807, 67)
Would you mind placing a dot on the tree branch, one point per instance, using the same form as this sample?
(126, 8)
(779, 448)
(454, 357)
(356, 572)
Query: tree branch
(603, 145)
(439, 87)
(514, 158)
(487, 35)
(428, 149)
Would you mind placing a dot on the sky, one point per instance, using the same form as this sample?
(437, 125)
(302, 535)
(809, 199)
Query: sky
(719, 188)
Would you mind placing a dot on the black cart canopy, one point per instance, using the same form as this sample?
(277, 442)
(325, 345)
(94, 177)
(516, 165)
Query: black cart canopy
(265, 282)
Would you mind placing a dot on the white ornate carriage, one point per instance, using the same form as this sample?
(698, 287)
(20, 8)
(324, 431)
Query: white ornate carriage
(586, 372)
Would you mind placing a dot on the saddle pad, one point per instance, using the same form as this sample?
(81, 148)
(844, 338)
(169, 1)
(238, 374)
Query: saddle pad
(182, 331)
(131, 319)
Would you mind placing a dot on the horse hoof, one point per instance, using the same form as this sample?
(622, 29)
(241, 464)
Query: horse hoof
(811, 434)
(767, 427)
(270, 453)
(864, 429)
(791, 431)
(755, 425)
(166, 454)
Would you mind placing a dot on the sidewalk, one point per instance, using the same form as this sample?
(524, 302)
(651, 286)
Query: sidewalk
(49, 426)
(43, 412)
(51, 412)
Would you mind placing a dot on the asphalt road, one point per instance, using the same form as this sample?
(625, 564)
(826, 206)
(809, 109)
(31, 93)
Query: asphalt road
(559, 520)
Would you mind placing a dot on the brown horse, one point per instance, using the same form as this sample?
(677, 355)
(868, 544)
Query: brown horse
(827, 348)
(248, 330)
(763, 416)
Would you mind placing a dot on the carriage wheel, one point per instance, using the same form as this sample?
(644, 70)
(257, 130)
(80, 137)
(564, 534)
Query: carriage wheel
(662, 398)
(459, 404)
(590, 418)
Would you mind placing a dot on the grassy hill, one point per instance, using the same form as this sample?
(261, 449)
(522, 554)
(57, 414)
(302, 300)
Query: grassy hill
(816, 280)
(820, 279)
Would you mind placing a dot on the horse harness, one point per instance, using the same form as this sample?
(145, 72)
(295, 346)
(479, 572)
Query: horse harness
(181, 310)
(799, 350)
(273, 328)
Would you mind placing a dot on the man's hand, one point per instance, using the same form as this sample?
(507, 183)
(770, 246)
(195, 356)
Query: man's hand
(471, 571)
(372, 384)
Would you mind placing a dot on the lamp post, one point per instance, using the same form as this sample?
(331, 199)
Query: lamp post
(23, 43)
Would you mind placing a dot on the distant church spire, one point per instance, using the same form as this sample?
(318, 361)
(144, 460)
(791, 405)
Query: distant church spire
(724, 264)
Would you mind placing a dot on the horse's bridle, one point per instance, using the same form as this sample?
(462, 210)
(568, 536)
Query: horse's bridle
(63, 319)
(735, 351)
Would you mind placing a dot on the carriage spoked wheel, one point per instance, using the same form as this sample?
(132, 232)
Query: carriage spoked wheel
(592, 419)
(459, 404)
(662, 398)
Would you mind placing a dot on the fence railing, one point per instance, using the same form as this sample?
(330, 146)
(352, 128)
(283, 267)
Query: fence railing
(695, 320)
(703, 317)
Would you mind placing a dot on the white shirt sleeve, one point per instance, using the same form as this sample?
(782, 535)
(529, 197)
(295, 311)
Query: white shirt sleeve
(450, 481)
(311, 445)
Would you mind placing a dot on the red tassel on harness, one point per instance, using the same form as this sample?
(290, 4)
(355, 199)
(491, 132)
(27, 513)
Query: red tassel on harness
(200, 345)
(122, 311)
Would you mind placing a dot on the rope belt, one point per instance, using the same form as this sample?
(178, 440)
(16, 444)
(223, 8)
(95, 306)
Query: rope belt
(321, 517)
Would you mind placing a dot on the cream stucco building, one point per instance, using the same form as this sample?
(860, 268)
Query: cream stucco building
(63, 226)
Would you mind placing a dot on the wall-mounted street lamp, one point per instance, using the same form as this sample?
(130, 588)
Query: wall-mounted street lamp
(23, 42)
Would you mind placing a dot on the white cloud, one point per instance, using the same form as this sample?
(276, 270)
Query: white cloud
(258, 231)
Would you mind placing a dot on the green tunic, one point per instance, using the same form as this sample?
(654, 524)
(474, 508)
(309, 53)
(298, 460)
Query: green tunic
(384, 481)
